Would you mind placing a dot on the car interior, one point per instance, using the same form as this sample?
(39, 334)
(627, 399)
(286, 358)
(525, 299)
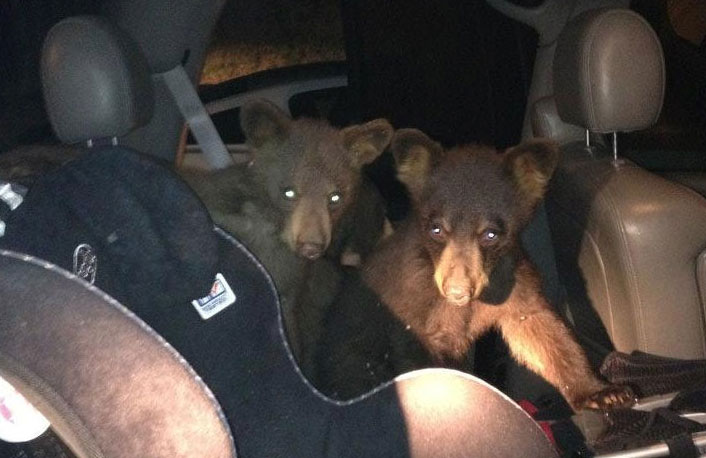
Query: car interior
(119, 364)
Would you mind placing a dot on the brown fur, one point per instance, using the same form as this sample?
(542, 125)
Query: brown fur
(316, 163)
(25, 165)
(280, 206)
(455, 269)
(479, 217)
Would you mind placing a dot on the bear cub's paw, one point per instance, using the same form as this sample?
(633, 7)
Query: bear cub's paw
(611, 397)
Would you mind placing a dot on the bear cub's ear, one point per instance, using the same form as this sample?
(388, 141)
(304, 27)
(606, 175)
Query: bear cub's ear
(365, 142)
(415, 153)
(532, 164)
(262, 121)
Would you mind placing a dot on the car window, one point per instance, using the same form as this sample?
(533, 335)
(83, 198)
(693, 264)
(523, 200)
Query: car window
(251, 37)
(259, 45)
(678, 140)
(688, 17)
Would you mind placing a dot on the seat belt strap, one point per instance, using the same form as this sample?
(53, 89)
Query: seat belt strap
(197, 118)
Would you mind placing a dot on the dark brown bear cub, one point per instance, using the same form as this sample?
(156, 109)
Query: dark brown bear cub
(456, 270)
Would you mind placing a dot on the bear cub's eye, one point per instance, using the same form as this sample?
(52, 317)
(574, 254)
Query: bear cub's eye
(436, 231)
(335, 198)
(490, 236)
(289, 193)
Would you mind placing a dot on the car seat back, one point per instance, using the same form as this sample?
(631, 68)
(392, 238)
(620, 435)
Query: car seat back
(627, 240)
(109, 385)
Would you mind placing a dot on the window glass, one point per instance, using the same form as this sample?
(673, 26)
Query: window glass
(678, 140)
(254, 36)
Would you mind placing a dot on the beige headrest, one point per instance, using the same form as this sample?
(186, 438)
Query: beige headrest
(609, 72)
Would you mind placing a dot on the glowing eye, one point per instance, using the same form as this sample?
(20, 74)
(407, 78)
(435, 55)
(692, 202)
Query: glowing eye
(289, 193)
(436, 231)
(335, 198)
(490, 236)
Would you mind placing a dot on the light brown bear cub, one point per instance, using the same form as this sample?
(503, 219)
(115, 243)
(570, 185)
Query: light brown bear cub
(456, 270)
(302, 206)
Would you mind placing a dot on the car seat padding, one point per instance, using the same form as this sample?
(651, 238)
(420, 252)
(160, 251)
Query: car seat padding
(240, 353)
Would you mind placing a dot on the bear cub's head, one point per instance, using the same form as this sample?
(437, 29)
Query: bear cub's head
(311, 170)
(469, 205)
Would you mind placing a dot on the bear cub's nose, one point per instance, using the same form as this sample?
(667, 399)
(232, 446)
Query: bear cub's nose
(458, 295)
(310, 250)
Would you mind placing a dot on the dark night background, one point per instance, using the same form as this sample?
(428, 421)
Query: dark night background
(457, 70)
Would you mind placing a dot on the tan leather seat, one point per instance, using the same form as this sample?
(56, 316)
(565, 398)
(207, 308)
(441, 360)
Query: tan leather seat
(628, 242)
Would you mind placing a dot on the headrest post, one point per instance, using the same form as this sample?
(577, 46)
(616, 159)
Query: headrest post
(588, 139)
(615, 147)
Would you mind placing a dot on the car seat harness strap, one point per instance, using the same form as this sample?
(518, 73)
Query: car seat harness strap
(11, 196)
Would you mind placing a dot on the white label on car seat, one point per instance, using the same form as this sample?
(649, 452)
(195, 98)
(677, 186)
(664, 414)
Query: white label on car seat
(19, 420)
(220, 297)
